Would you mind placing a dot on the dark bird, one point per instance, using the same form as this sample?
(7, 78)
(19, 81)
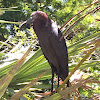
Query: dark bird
(54, 49)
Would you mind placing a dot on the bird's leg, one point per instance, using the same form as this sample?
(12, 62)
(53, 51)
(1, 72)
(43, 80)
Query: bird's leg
(68, 83)
(58, 82)
(52, 82)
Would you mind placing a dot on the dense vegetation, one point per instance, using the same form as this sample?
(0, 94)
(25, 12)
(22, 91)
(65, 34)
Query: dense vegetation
(82, 34)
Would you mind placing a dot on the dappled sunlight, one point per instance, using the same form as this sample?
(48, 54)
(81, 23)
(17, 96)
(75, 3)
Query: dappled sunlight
(24, 71)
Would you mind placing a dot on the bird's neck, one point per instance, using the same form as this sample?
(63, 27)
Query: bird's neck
(40, 24)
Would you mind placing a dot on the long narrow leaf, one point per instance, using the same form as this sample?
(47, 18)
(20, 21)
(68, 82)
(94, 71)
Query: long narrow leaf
(26, 88)
(78, 14)
(5, 80)
(65, 92)
(77, 21)
(3, 21)
(79, 64)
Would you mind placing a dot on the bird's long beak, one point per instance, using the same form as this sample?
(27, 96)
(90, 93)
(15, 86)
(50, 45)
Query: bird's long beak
(29, 21)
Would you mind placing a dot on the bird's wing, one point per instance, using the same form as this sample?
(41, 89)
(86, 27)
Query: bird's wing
(60, 49)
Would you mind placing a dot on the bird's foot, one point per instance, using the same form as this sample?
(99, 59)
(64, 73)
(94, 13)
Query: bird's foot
(52, 93)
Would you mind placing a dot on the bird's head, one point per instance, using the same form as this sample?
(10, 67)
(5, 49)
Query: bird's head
(35, 16)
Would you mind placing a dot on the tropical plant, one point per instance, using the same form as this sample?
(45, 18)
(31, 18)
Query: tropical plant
(24, 78)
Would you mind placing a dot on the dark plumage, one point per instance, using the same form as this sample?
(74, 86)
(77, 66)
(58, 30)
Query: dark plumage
(54, 50)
